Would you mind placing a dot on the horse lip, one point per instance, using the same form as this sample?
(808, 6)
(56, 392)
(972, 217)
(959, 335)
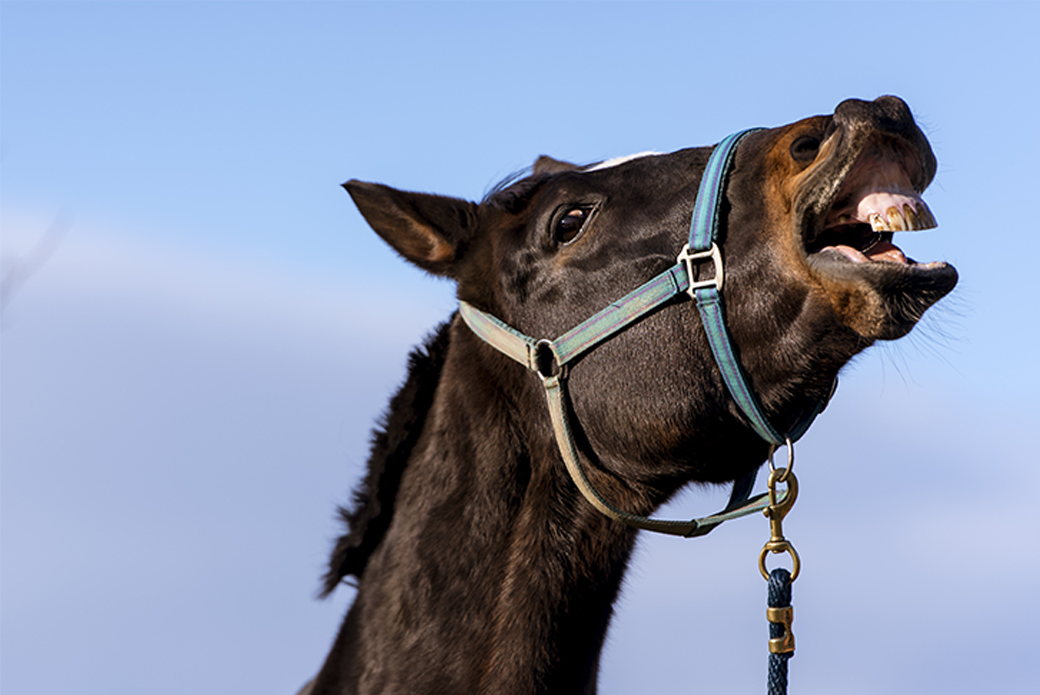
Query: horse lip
(865, 181)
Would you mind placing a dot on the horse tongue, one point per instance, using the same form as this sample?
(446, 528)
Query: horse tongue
(886, 251)
(881, 251)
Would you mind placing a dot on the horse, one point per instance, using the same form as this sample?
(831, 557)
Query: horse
(480, 565)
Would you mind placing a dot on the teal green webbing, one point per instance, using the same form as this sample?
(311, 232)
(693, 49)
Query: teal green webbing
(499, 335)
(620, 314)
(585, 335)
(704, 227)
(710, 306)
(554, 391)
(704, 223)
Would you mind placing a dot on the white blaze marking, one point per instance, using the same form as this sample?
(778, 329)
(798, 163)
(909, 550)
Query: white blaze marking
(621, 160)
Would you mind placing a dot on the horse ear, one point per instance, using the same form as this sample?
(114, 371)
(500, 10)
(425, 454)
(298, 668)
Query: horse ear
(548, 165)
(428, 230)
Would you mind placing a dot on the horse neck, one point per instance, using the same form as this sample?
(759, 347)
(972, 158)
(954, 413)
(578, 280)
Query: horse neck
(495, 576)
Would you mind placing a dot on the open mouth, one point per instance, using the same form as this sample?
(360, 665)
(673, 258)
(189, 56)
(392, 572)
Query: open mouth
(876, 200)
(848, 239)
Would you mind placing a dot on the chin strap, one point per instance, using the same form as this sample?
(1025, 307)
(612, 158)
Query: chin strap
(550, 359)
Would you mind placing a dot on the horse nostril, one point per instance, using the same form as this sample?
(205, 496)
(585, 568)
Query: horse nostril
(831, 128)
(805, 148)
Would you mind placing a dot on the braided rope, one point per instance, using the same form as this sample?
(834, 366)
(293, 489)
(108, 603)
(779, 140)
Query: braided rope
(779, 597)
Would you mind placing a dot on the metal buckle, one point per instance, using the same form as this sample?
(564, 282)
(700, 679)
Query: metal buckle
(546, 363)
(688, 257)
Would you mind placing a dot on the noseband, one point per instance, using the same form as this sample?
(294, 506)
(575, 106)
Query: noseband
(550, 358)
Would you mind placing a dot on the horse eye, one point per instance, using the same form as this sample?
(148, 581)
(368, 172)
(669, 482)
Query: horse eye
(568, 227)
(805, 148)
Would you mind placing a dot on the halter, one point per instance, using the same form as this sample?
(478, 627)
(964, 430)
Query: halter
(550, 358)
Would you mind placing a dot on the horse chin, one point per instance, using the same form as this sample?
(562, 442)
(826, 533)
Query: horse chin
(881, 299)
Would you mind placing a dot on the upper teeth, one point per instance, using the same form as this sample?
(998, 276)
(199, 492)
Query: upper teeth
(903, 218)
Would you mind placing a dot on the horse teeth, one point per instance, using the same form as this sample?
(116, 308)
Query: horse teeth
(911, 217)
(900, 216)
(917, 216)
(896, 223)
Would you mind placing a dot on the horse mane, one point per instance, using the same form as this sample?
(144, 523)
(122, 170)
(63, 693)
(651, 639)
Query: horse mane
(513, 192)
(372, 507)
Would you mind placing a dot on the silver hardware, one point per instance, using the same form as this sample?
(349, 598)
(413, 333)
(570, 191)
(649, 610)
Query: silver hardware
(790, 457)
(545, 361)
(688, 257)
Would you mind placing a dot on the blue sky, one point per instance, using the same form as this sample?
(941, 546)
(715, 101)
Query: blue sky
(189, 376)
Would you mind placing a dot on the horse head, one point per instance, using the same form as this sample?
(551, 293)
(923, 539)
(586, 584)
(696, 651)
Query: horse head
(812, 274)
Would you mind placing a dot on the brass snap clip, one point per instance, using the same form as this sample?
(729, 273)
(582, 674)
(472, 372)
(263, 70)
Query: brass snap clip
(776, 511)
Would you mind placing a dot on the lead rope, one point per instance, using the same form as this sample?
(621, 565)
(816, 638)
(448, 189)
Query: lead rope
(779, 612)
